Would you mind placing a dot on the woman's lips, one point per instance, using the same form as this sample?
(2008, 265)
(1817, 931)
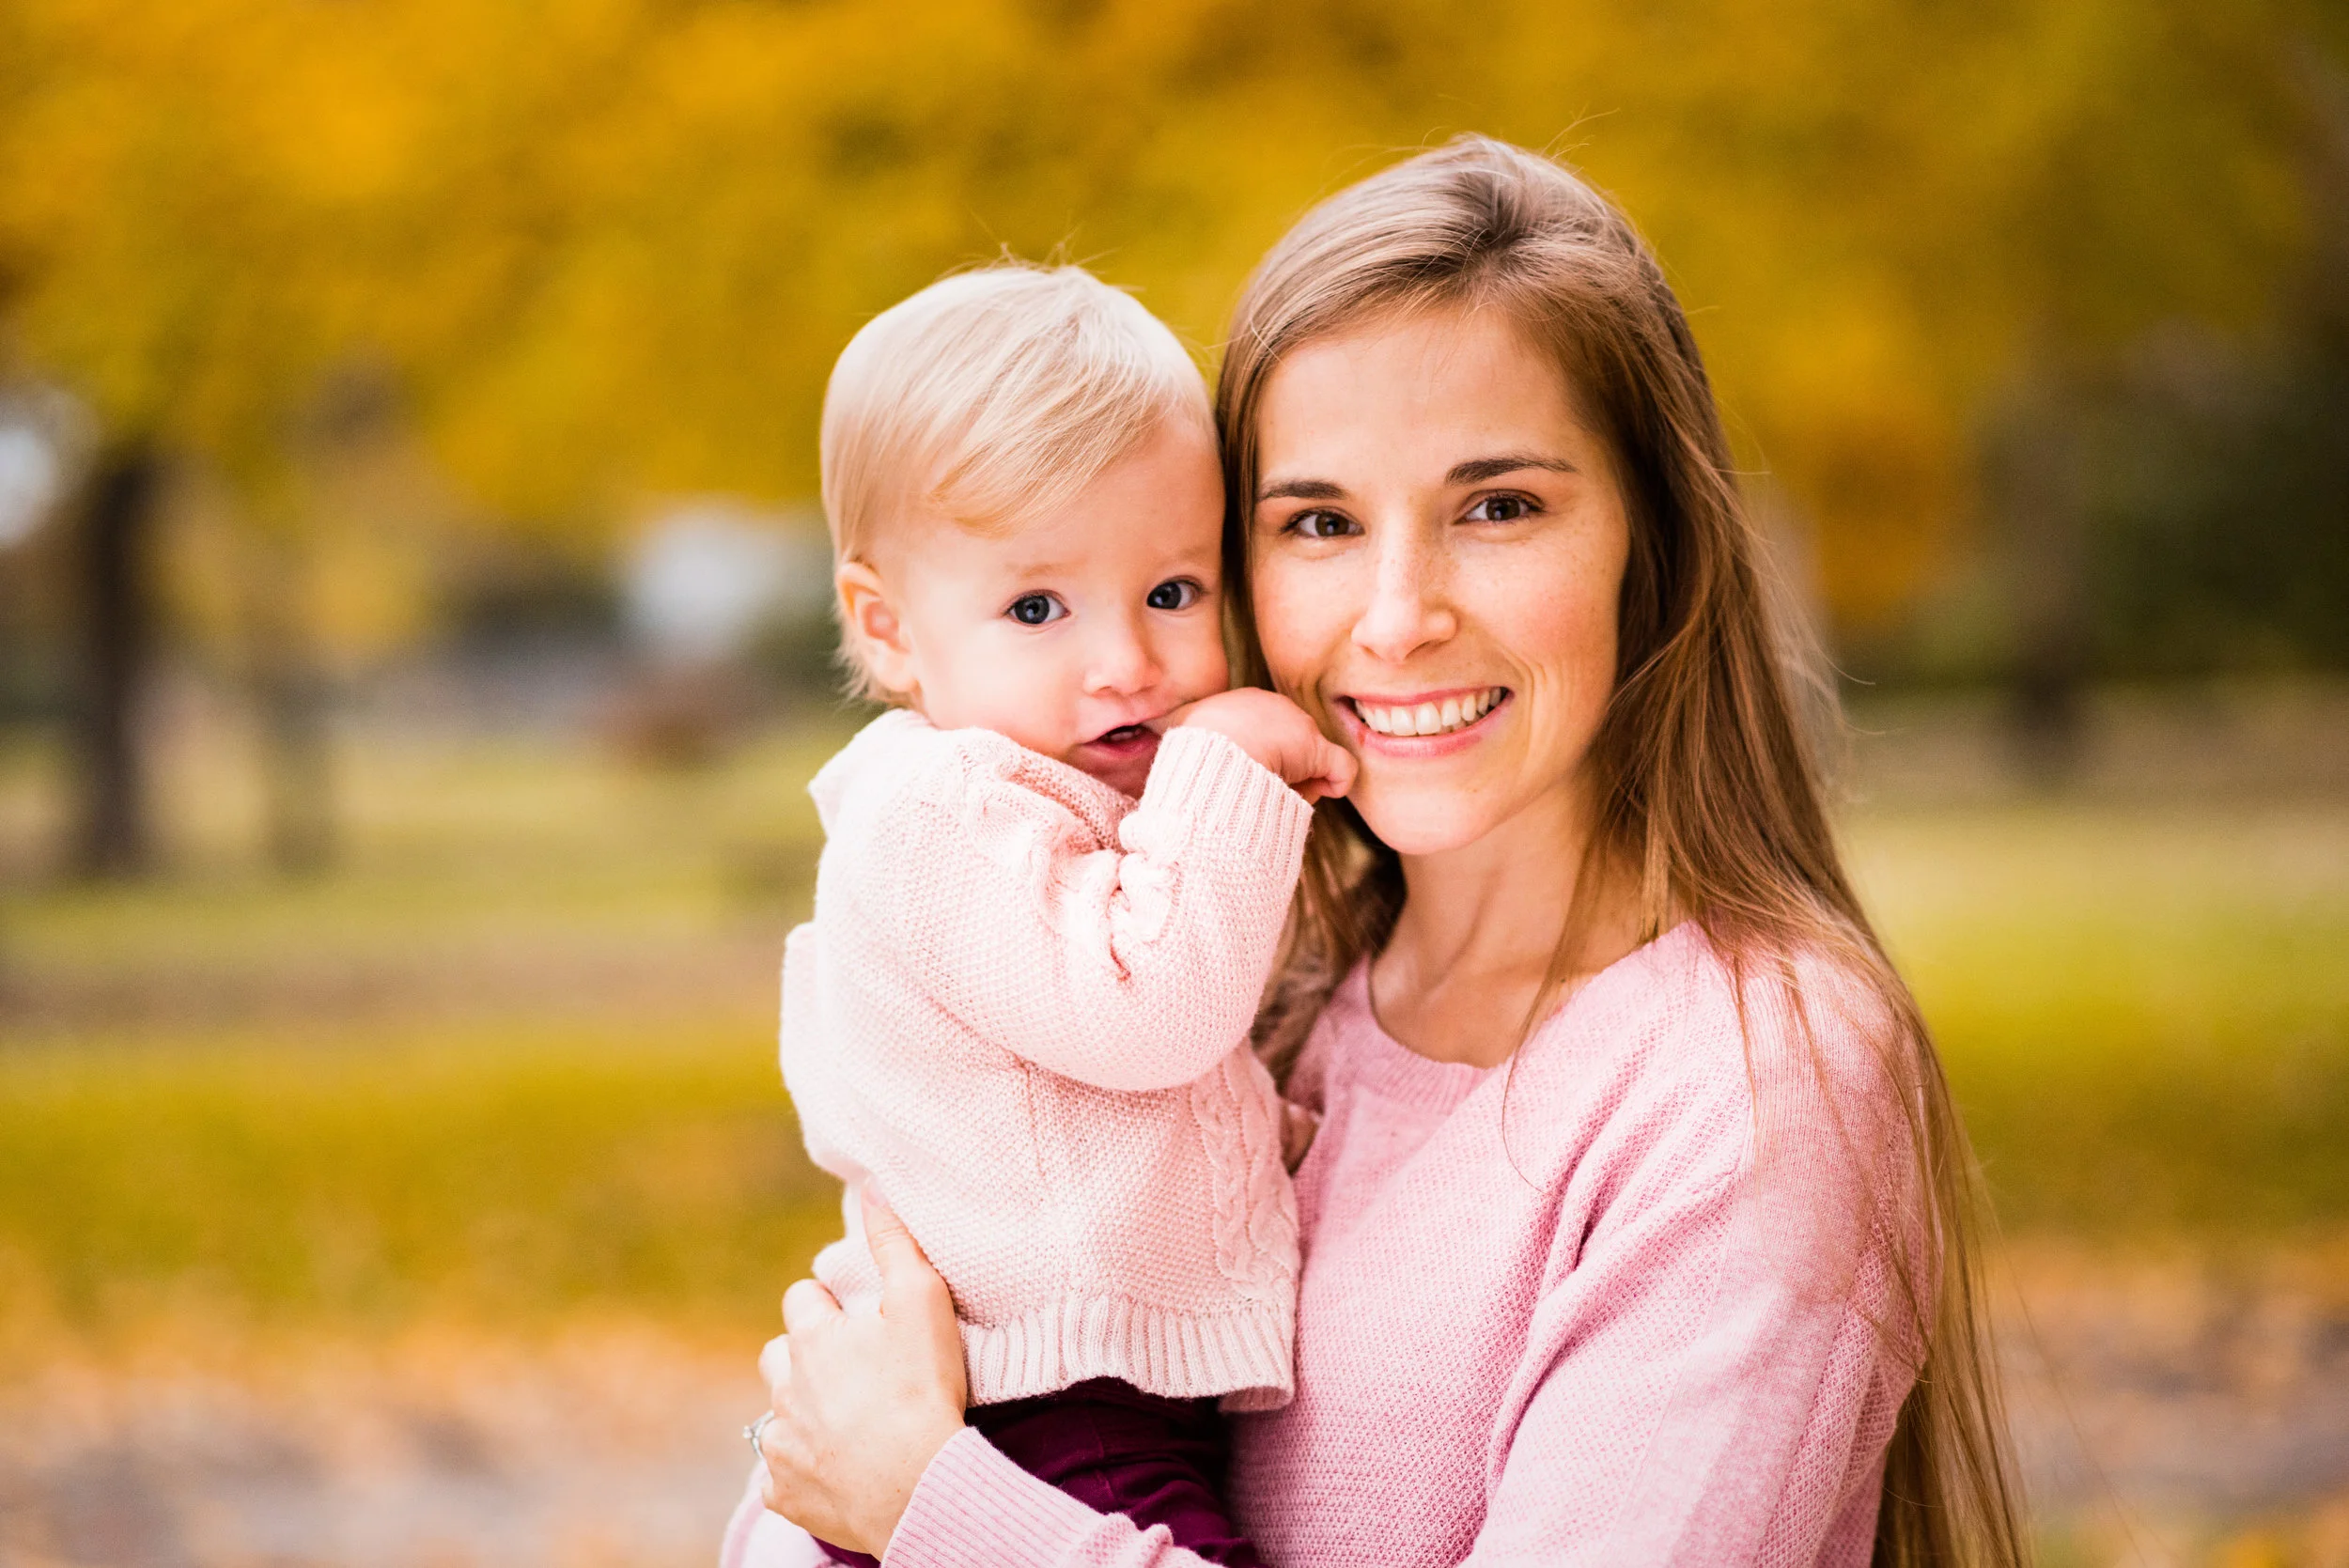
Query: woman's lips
(1433, 715)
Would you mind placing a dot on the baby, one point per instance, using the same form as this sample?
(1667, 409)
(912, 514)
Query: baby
(1020, 1013)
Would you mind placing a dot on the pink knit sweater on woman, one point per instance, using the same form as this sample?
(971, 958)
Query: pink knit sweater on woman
(1020, 1012)
(1630, 1301)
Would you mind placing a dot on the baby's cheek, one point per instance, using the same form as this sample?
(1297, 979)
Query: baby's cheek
(1203, 669)
(1024, 699)
(1045, 724)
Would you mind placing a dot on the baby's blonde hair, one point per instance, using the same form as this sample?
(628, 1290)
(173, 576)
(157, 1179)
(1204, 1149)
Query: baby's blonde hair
(998, 391)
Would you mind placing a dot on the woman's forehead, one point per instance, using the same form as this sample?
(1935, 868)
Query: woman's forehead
(1431, 392)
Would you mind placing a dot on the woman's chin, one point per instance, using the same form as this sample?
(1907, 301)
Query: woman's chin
(1414, 817)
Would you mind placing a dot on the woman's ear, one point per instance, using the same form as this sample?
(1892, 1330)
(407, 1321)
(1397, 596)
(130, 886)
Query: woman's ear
(875, 630)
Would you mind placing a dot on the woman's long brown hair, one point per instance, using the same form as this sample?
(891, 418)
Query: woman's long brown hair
(1710, 805)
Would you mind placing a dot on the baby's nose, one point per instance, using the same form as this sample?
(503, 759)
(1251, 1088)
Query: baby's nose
(1122, 663)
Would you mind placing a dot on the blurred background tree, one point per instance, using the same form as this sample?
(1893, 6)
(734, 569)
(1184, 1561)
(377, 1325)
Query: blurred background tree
(407, 454)
(2028, 315)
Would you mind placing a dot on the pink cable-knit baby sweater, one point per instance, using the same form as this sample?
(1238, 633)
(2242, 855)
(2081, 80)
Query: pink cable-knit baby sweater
(1020, 1013)
(1629, 1301)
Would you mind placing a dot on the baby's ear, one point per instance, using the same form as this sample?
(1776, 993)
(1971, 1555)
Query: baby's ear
(876, 635)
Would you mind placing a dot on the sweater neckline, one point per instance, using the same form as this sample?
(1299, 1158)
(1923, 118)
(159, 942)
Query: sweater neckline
(1382, 1062)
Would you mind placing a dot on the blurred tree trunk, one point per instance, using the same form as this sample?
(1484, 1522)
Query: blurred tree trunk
(117, 635)
(291, 697)
(298, 761)
(2036, 480)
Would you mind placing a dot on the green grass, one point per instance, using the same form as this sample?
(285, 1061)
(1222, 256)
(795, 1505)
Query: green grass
(458, 1076)
(2145, 1013)
(494, 1177)
(441, 844)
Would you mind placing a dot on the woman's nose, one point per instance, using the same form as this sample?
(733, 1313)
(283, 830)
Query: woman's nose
(1408, 610)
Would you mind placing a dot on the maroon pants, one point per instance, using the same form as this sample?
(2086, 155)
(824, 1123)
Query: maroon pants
(1106, 1443)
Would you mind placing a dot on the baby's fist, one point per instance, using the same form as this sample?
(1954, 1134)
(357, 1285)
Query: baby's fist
(1278, 734)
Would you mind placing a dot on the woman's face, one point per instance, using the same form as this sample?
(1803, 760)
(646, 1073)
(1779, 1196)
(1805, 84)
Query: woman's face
(1436, 547)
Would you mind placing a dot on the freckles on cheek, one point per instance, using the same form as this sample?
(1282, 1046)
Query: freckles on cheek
(1565, 631)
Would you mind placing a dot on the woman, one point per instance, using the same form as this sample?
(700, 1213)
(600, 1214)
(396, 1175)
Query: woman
(1637, 1227)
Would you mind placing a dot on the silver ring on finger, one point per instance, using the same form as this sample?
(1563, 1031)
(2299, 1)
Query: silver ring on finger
(754, 1430)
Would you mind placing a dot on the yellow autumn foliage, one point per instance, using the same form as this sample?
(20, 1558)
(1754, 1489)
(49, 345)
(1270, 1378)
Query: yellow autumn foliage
(608, 248)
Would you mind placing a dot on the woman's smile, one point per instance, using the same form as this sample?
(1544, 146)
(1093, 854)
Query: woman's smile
(1393, 584)
(1457, 715)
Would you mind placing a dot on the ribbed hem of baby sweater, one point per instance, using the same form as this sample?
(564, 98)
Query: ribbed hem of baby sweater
(1177, 1355)
(972, 1507)
(1202, 776)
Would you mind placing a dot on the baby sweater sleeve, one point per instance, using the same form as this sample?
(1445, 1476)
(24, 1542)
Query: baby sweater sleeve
(1763, 1395)
(1700, 1371)
(1133, 968)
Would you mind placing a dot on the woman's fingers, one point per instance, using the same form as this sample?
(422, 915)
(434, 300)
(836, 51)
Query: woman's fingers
(884, 1232)
(807, 1306)
(907, 1276)
(775, 1362)
(861, 1402)
(917, 1309)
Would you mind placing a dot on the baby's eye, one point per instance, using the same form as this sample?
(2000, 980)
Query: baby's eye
(1500, 508)
(1036, 609)
(1318, 524)
(1178, 593)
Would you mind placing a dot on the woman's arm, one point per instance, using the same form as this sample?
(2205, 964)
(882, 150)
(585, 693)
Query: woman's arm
(1709, 1380)
(1713, 1383)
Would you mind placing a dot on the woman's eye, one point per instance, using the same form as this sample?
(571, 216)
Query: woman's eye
(1036, 609)
(1179, 593)
(1323, 525)
(1500, 508)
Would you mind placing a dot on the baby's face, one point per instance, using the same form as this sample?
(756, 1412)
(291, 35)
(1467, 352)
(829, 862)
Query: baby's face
(1077, 629)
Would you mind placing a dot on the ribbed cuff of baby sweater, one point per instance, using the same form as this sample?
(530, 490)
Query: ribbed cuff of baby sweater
(973, 1508)
(1201, 777)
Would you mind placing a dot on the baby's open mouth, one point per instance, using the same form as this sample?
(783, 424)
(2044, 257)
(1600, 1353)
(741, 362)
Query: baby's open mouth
(1434, 718)
(1124, 734)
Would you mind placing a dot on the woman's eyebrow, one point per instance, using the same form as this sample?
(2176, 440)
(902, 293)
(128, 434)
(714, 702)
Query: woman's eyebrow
(1477, 470)
(1301, 489)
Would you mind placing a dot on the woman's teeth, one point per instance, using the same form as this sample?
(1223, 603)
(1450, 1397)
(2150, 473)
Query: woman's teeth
(1453, 713)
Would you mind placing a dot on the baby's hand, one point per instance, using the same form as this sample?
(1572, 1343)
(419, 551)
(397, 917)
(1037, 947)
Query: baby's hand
(1278, 734)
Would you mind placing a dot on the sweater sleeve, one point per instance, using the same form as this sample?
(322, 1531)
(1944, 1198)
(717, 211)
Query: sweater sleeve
(756, 1539)
(1700, 1371)
(975, 1509)
(1696, 1387)
(1740, 1462)
(1132, 967)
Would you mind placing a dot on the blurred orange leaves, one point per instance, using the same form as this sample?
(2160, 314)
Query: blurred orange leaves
(607, 247)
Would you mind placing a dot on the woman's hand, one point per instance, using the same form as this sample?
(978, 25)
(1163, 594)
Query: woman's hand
(862, 1403)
